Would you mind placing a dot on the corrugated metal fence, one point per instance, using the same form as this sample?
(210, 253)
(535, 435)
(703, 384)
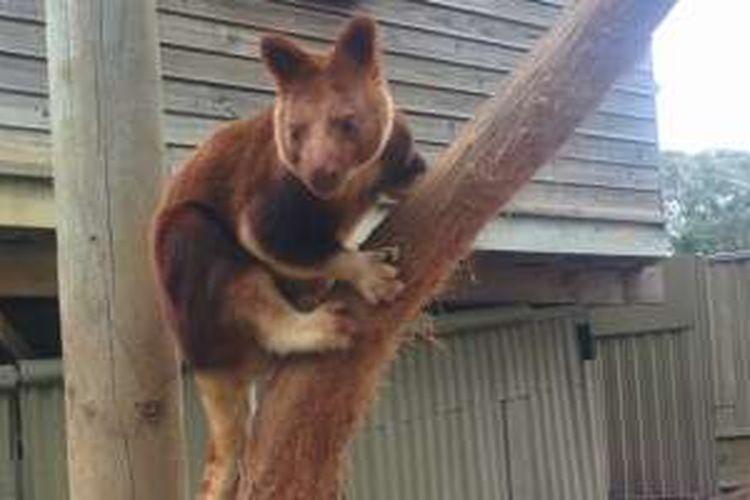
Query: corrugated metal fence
(506, 409)
(9, 458)
(32, 432)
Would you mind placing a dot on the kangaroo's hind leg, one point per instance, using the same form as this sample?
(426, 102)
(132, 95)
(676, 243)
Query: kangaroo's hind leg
(197, 262)
(225, 399)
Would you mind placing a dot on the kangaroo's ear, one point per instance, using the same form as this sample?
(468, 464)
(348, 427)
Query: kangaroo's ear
(287, 61)
(357, 44)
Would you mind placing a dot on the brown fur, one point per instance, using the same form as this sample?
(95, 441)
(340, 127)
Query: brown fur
(269, 200)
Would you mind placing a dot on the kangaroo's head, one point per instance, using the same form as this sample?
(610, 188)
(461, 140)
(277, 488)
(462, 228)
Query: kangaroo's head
(333, 112)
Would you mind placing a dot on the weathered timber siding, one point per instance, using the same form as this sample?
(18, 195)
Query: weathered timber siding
(659, 446)
(729, 313)
(25, 187)
(443, 57)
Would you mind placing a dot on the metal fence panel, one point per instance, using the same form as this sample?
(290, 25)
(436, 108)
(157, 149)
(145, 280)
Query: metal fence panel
(8, 437)
(505, 410)
(42, 410)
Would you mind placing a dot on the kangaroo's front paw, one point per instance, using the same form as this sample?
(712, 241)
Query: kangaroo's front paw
(375, 278)
(336, 324)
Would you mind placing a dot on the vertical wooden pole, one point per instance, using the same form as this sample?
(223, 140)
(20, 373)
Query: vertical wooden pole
(122, 378)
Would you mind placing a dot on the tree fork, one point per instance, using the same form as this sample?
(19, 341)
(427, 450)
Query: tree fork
(314, 405)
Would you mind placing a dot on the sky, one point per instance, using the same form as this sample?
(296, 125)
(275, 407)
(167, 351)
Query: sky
(702, 68)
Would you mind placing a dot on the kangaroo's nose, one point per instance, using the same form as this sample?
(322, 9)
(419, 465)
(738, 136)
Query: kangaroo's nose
(324, 181)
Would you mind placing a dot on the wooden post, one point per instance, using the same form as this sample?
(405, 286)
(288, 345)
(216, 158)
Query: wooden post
(313, 406)
(121, 372)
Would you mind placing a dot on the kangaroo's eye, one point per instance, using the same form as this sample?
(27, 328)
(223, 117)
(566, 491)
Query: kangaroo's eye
(297, 131)
(347, 126)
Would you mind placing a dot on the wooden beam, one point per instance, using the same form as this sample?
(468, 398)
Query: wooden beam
(124, 423)
(12, 341)
(681, 286)
(313, 406)
(26, 203)
(490, 278)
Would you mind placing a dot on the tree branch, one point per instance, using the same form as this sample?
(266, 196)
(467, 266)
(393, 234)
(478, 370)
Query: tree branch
(314, 405)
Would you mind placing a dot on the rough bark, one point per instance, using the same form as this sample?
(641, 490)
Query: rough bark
(313, 406)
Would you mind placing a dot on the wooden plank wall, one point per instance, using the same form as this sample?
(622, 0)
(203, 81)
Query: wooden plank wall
(728, 294)
(444, 58)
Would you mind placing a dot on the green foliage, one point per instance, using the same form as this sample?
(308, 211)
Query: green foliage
(707, 200)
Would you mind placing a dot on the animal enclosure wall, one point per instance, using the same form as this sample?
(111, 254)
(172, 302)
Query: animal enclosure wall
(444, 58)
(505, 409)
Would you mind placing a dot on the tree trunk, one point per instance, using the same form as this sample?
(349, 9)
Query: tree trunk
(313, 406)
